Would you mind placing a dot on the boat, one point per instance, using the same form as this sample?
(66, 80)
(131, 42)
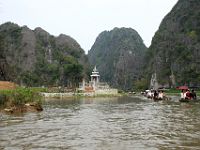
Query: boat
(161, 99)
(184, 100)
(189, 100)
(157, 99)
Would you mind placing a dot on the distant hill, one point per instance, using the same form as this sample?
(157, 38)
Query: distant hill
(174, 54)
(35, 58)
(118, 55)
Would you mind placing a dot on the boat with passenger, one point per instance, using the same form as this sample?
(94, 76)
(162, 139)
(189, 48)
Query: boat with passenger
(156, 95)
(187, 95)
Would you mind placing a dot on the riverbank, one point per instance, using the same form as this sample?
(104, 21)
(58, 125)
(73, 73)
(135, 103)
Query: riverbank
(20, 100)
(76, 95)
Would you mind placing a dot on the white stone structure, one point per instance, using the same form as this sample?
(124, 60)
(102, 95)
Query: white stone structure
(95, 86)
(95, 77)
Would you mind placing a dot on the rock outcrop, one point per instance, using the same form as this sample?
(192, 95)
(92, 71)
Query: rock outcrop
(28, 107)
(36, 58)
(175, 50)
(118, 55)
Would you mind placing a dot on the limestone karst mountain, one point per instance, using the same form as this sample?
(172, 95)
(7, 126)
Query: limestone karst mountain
(35, 58)
(118, 55)
(174, 54)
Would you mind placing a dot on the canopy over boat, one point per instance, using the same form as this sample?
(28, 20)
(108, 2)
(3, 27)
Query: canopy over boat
(182, 87)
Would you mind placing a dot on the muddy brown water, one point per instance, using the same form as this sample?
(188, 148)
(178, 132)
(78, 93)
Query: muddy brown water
(104, 124)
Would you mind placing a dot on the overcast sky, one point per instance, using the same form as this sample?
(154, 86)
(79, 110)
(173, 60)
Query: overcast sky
(85, 19)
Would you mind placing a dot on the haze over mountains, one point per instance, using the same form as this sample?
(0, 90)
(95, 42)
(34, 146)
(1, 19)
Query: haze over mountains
(34, 57)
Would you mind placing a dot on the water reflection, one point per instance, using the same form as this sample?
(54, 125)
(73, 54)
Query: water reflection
(104, 123)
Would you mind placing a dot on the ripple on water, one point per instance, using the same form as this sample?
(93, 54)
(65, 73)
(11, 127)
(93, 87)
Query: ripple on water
(104, 123)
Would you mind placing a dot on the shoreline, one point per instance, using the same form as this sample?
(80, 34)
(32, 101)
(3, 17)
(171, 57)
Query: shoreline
(20, 100)
(76, 95)
(23, 108)
(30, 104)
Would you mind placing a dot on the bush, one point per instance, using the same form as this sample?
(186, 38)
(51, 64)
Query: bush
(141, 84)
(19, 96)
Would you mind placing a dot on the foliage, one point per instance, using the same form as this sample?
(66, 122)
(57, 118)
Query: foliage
(118, 55)
(20, 96)
(175, 46)
(141, 84)
(72, 71)
(51, 60)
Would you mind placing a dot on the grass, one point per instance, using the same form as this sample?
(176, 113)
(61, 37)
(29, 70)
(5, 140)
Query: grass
(20, 96)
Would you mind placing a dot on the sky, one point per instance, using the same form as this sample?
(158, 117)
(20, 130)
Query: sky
(84, 20)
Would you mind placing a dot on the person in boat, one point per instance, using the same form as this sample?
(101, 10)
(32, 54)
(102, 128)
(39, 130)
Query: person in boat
(183, 95)
(188, 95)
(160, 95)
(149, 94)
(193, 94)
(155, 95)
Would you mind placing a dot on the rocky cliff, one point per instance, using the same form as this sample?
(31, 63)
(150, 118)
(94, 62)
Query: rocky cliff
(35, 58)
(118, 55)
(174, 55)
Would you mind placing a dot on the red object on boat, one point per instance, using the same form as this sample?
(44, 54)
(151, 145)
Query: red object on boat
(182, 88)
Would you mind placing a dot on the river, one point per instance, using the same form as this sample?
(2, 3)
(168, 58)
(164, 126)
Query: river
(121, 123)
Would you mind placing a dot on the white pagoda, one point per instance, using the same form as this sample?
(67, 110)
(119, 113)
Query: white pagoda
(95, 87)
(95, 77)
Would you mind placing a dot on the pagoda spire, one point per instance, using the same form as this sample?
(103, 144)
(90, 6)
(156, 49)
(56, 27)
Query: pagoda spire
(95, 69)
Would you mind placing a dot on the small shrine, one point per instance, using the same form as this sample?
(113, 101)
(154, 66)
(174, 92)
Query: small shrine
(95, 87)
(95, 78)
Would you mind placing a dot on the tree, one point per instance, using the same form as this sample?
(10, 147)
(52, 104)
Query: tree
(70, 71)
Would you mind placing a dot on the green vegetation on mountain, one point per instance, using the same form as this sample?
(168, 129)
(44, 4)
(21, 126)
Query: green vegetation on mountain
(175, 50)
(118, 55)
(36, 58)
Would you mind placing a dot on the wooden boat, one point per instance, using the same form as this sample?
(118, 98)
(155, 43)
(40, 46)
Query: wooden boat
(161, 99)
(189, 100)
(157, 99)
(184, 100)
